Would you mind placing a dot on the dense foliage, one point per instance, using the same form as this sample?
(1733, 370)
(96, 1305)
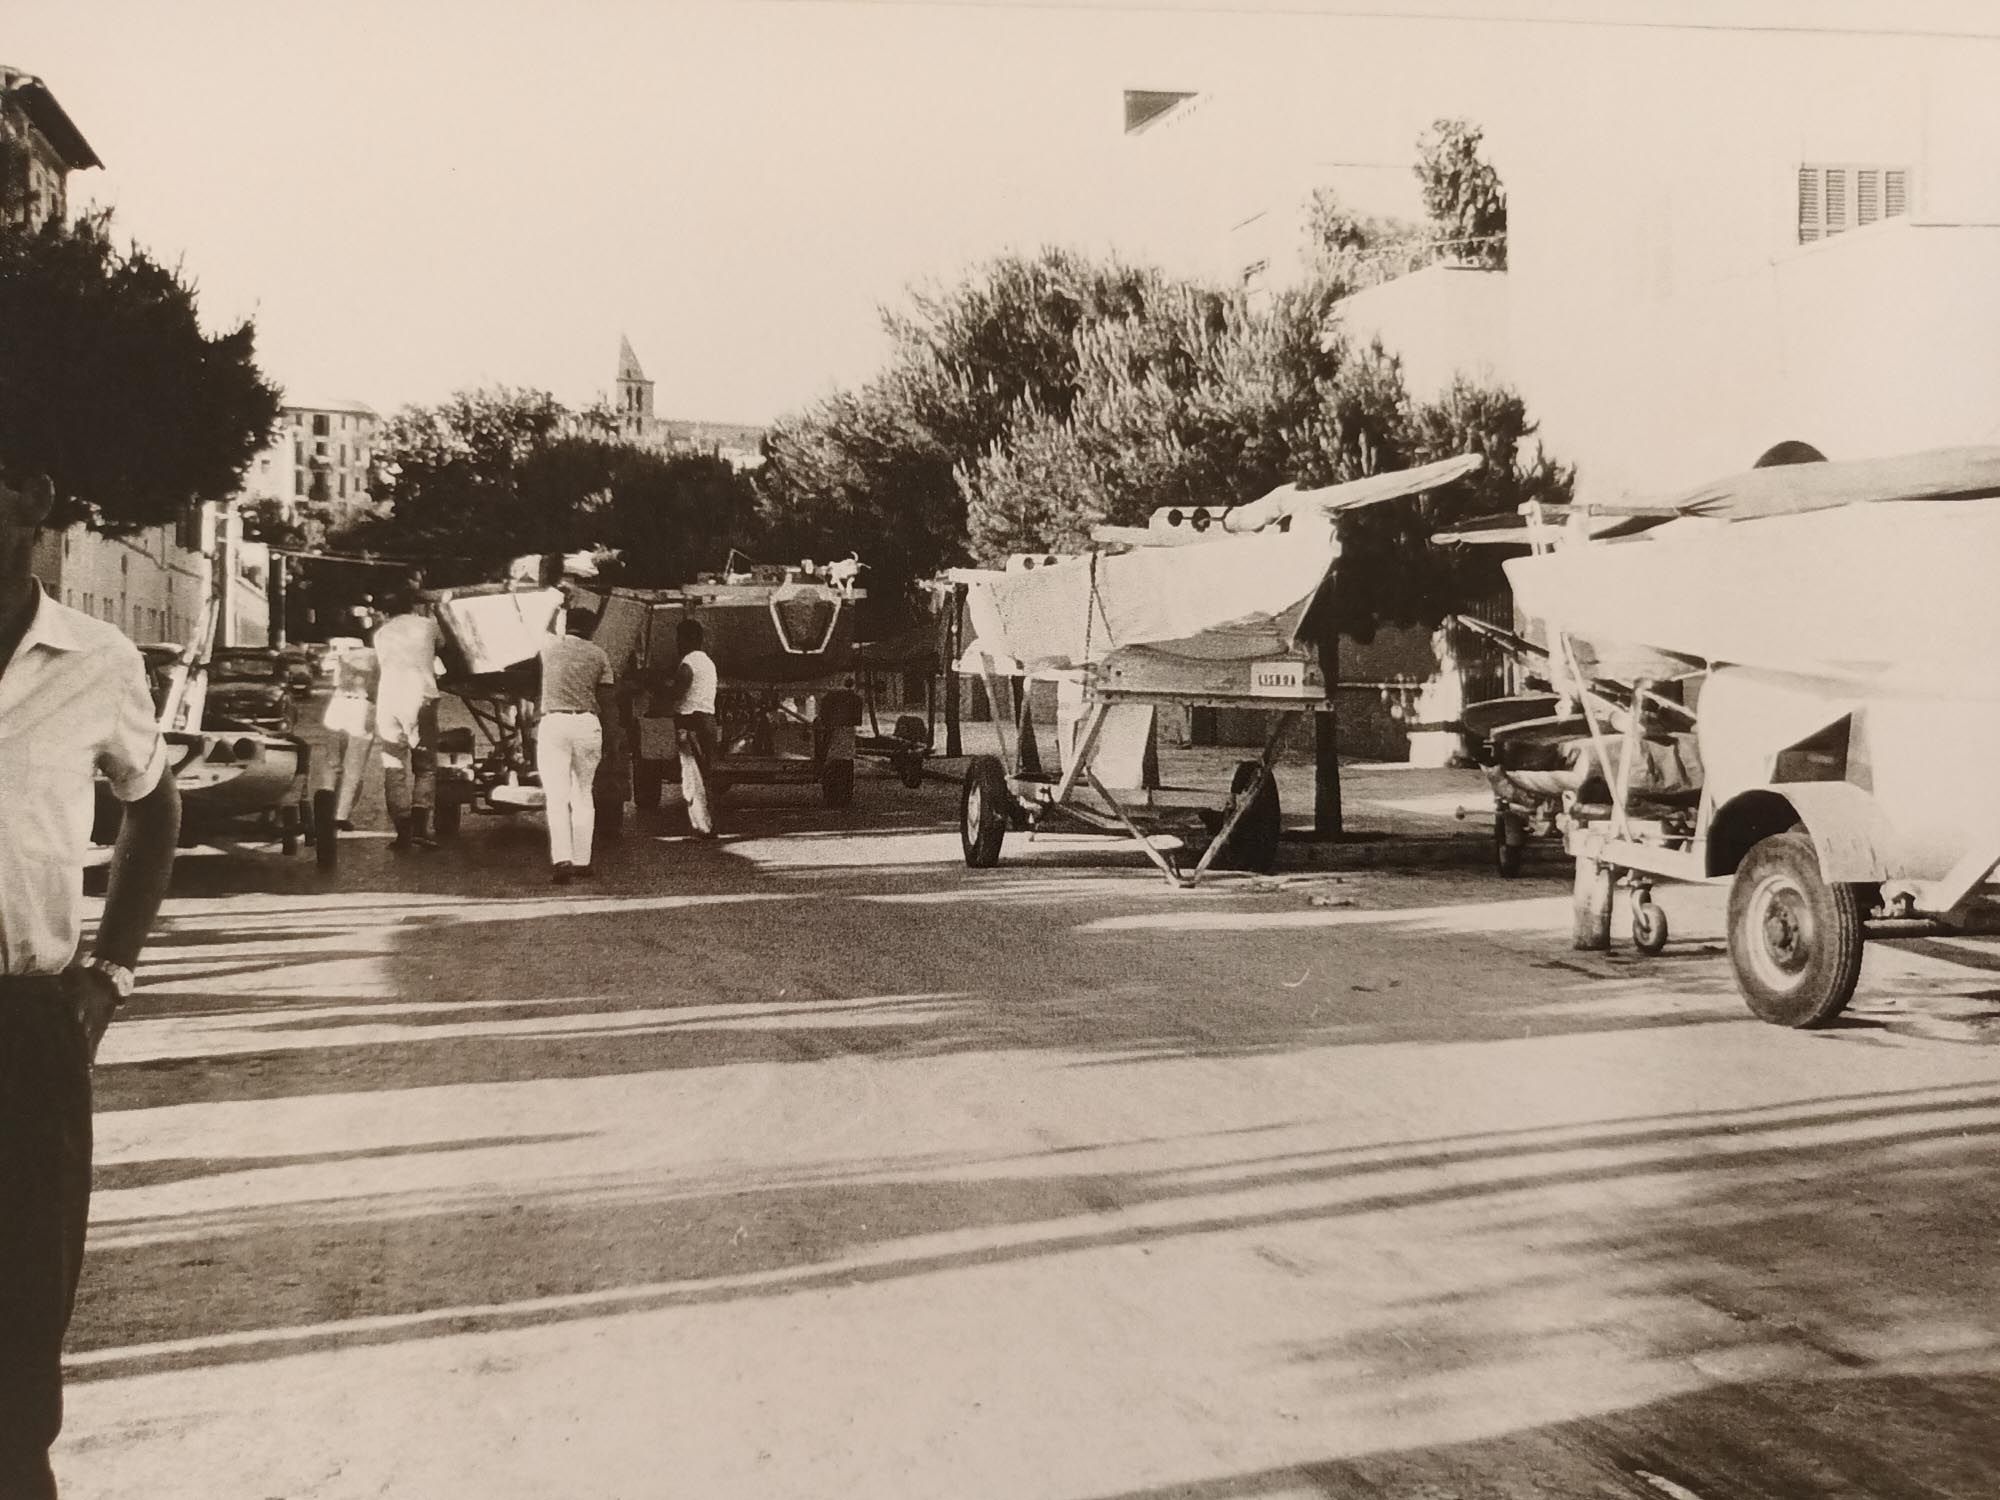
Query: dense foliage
(109, 386)
(489, 475)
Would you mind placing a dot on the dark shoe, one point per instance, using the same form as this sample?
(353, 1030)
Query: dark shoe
(563, 873)
(706, 835)
(345, 825)
(580, 872)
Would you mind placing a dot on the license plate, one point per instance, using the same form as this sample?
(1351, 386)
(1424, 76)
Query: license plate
(1277, 679)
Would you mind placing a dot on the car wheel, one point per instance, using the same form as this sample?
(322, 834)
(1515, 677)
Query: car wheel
(1649, 928)
(983, 812)
(1795, 940)
(1253, 843)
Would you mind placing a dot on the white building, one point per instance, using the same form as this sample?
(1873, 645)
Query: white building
(322, 453)
(1719, 237)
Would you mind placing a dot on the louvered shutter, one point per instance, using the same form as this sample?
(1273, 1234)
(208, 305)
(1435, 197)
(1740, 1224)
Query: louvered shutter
(1809, 205)
(1835, 198)
(1895, 192)
(1867, 195)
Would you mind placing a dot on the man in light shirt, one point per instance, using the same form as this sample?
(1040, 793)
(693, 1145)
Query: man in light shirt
(406, 718)
(569, 740)
(74, 705)
(692, 703)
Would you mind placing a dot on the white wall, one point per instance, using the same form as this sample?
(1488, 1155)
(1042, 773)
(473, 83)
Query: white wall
(1667, 324)
(1442, 321)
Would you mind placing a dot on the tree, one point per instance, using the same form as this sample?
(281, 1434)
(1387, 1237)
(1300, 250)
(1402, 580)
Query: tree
(876, 470)
(1463, 194)
(109, 386)
(1355, 251)
(490, 475)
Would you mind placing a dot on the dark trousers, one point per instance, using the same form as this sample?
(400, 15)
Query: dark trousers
(44, 1209)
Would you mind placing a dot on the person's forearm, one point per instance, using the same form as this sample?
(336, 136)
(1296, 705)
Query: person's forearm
(141, 863)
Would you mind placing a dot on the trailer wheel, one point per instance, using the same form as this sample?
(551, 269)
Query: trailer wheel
(910, 771)
(290, 821)
(1507, 854)
(1795, 940)
(1649, 928)
(982, 823)
(836, 783)
(1253, 843)
(325, 835)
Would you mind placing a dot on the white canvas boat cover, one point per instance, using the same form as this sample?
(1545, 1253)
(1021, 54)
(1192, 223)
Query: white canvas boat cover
(1892, 598)
(1794, 489)
(1244, 596)
(1239, 593)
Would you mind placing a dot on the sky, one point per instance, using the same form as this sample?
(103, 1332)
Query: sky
(411, 197)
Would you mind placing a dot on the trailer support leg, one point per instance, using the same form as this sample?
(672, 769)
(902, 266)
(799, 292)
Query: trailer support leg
(1174, 877)
(1590, 906)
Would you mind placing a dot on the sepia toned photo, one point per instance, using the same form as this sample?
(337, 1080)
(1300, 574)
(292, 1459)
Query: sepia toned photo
(999, 750)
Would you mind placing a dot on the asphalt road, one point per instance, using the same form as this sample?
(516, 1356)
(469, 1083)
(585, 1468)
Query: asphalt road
(812, 1164)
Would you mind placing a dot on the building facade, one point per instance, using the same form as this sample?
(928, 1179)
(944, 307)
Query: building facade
(154, 585)
(1720, 237)
(322, 453)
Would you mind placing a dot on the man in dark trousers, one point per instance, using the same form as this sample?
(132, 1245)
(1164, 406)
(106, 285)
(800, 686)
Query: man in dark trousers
(74, 705)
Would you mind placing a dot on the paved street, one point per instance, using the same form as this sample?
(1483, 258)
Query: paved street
(813, 1164)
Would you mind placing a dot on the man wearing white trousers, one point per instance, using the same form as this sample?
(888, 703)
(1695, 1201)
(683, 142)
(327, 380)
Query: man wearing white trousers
(569, 740)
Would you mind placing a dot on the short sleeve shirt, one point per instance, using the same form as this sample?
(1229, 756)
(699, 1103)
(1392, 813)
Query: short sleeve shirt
(572, 671)
(74, 706)
(700, 695)
(406, 651)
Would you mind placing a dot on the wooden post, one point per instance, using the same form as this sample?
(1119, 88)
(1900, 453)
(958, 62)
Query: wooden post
(1590, 906)
(954, 633)
(1326, 743)
(275, 595)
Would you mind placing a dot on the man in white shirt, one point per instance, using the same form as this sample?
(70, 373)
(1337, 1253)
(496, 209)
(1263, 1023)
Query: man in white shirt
(569, 740)
(692, 703)
(74, 705)
(406, 718)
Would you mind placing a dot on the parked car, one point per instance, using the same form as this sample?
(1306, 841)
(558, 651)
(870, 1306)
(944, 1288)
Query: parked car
(253, 686)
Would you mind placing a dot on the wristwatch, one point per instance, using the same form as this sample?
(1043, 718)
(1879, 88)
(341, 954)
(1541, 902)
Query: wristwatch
(122, 979)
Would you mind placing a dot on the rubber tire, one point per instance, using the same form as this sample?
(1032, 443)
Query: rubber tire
(446, 817)
(910, 771)
(1821, 981)
(983, 810)
(1649, 928)
(1507, 857)
(325, 836)
(836, 783)
(1253, 843)
(290, 823)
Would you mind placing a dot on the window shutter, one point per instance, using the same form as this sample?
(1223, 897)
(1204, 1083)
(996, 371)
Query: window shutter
(1809, 207)
(1836, 199)
(1867, 195)
(1895, 192)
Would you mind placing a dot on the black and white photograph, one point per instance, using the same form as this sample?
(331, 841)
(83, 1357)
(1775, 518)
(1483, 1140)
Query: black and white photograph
(1000, 750)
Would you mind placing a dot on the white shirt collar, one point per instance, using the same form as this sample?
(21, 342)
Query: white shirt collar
(51, 626)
